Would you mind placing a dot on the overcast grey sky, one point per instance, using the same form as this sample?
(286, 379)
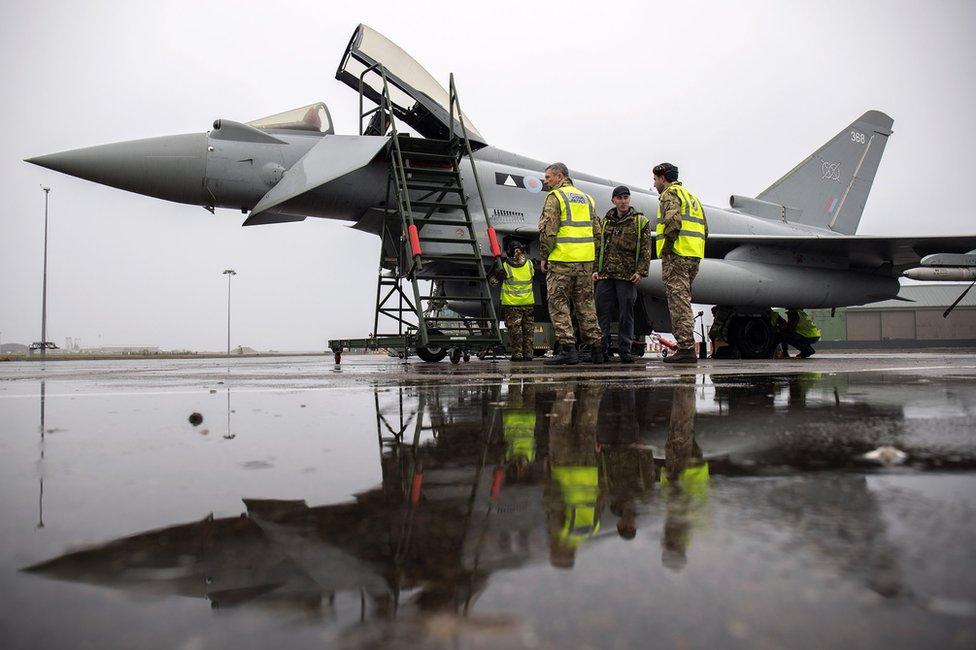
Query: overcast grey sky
(735, 93)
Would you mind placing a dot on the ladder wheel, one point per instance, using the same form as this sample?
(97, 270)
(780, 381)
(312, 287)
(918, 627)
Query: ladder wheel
(456, 356)
(432, 353)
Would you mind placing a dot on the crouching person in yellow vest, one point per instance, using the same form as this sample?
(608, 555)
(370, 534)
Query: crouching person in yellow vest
(567, 251)
(800, 332)
(681, 233)
(518, 300)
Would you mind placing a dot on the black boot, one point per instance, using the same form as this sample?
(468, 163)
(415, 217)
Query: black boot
(682, 356)
(596, 354)
(567, 357)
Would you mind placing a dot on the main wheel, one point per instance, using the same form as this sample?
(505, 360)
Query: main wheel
(753, 336)
(456, 356)
(638, 349)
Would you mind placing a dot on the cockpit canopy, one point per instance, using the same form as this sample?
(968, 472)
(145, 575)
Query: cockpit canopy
(418, 99)
(314, 117)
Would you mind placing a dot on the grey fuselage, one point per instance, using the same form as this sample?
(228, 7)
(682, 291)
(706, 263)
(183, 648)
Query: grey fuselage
(745, 275)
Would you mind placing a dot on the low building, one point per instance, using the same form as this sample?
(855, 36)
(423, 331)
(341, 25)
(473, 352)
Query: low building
(913, 320)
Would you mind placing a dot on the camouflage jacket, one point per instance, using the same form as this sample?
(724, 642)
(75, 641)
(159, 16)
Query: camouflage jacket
(549, 226)
(671, 216)
(617, 245)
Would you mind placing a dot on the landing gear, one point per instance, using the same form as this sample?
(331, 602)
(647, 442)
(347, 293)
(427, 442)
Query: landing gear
(338, 357)
(753, 336)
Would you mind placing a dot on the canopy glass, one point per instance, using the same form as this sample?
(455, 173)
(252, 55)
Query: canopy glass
(314, 117)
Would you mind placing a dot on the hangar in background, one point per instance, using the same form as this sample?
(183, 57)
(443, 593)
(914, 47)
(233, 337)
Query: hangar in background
(897, 323)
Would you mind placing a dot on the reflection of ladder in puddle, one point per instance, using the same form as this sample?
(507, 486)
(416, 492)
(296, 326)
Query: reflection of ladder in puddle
(439, 484)
(428, 235)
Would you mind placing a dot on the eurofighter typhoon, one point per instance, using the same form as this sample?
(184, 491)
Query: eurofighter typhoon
(444, 202)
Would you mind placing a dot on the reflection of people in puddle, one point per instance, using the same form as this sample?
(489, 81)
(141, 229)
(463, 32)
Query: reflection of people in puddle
(518, 431)
(573, 499)
(628, 470)
(685, 477)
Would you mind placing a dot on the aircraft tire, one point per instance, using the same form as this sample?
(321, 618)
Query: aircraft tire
(638, 349)
(753, 337)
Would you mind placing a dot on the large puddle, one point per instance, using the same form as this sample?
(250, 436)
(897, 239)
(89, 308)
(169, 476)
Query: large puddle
(680, 512)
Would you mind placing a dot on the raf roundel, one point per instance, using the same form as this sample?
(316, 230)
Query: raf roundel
(533, 185)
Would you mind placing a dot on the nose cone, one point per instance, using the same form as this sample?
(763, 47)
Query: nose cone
(172, 167)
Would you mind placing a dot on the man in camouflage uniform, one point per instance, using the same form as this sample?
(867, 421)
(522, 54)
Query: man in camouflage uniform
(567, 229)
(623, 252)
(681, 235)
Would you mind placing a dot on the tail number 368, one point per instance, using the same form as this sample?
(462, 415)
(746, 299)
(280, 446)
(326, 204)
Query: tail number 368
(857, 137)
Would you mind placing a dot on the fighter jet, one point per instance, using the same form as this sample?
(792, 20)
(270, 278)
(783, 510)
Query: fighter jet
(792, 246)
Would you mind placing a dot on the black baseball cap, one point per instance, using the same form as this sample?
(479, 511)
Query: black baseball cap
(620, 190)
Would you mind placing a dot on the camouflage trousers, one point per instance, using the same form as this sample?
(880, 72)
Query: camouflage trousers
(570, 289)
(678, 273)
(520, 321)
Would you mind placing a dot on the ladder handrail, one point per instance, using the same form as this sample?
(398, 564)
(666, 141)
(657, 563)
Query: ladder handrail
(400, 187)
(454, 99)
(386, 104)
(492, 240)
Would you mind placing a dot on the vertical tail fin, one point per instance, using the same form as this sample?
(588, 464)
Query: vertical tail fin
(830, 187)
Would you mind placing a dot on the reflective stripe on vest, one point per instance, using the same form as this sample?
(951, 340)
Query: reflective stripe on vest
(580, 488)
(574, 240)
(517, 287)
(642, 221)
(519, 429)
(805, 326)
(691, 236)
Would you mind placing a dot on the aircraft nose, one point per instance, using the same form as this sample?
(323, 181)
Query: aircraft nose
(171, 167)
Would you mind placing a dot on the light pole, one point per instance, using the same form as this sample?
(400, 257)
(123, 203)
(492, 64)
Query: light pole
(47, 193)
(228, 273)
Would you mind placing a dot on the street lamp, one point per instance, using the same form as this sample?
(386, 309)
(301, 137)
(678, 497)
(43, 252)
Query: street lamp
(228, 273)
(47, 193)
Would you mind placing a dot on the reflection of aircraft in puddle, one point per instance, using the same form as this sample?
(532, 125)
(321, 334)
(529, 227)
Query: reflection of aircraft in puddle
(472, 484)
(407, 537)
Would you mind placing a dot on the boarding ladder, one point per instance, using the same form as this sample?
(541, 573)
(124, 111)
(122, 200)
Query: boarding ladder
(429, 236)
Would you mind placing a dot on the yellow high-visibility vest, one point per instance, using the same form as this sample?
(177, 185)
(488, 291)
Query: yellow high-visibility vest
(517, 287)
(691, 237)
(574, 240)
(519, 430)
(580, 488)
(805, 326)
(693, 480)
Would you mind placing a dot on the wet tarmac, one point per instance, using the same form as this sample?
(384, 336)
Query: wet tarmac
(791, 504)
